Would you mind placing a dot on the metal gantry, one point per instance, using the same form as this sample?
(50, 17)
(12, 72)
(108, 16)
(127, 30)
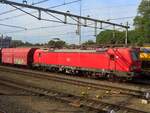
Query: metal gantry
(78, 19)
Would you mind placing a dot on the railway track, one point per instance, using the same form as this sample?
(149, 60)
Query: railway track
(18, 91)
(77, 101)
(2, 111)
(133, 92)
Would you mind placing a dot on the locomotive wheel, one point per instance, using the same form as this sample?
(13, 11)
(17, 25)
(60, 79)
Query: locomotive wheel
(111, 77)
(44, 69)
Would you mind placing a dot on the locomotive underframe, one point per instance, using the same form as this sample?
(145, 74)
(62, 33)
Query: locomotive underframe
(86, 71)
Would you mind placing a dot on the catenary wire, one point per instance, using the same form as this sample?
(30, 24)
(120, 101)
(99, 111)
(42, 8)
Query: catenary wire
(55, 6)
(9, 11)
(13, 26)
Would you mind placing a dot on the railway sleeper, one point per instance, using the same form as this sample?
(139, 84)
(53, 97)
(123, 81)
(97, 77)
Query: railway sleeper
(107, 107)
(142, 94)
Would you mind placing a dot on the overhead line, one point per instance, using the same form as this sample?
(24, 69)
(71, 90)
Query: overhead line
(60, 13)
(42, 1)
(57, 21)
(121, 18)
(9, 11)
(71, 32)
(64, 33)
(13, 26)
(30, 29)
(20, 15)
(114, 6)
(35, 28)
(24, 11)
(66, 3)
(67, 14)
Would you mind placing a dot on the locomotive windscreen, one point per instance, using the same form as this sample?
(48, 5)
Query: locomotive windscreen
(135, 55)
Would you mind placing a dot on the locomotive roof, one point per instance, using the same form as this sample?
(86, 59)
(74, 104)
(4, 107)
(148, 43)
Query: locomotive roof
(74, 50)
(79, 50)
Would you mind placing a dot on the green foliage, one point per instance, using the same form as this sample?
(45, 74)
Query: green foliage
(89, 42)
(19, 43)
(56, 44)
(142, 21)
(138, 36)
(16, 43)
(110, 37)
(51, 43)
(106, 37)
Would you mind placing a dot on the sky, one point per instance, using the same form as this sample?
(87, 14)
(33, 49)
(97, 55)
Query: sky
(117, 11)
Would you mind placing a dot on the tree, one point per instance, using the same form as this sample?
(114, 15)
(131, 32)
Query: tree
(142, 21)
(60, 44)
(28, 44)
(16, 43)
(20, 43)
(106, 37)
(51, 43)
(56, 44)
(138, 36)
(110, 37)
(89, 42)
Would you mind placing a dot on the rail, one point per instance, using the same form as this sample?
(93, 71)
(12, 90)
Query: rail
(72, 99)
(69, 80)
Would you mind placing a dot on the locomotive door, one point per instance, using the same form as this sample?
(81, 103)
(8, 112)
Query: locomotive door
(39, 58)
(112, 62)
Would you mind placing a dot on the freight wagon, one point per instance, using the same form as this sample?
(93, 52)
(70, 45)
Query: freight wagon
(18, 56)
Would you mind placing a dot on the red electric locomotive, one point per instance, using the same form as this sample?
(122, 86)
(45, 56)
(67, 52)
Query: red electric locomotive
(122, 62)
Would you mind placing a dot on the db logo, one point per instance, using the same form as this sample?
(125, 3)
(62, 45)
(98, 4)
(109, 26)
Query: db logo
(68, 59)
